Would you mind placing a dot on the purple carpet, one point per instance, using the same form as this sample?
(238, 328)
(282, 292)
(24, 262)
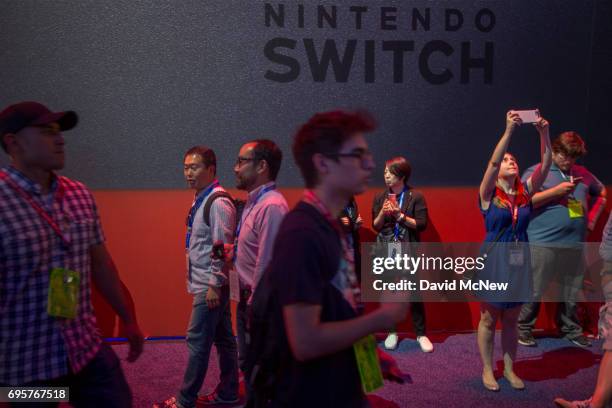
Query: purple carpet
(448, 377)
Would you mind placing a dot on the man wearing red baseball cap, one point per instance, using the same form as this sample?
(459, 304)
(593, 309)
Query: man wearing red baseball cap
(51, 250)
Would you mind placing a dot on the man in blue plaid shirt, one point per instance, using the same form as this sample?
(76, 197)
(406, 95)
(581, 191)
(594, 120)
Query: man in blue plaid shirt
(51, 251)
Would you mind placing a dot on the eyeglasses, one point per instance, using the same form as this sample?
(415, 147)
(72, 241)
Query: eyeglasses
(562, 156)
(364, 156)
(241, 160)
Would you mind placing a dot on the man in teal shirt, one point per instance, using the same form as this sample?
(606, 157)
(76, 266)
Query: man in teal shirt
(566, 208)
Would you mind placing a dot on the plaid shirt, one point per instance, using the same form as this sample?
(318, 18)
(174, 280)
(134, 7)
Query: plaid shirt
(33, 345)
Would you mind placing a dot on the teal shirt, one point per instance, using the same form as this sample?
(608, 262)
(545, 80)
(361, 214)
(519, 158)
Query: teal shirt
(552, 223)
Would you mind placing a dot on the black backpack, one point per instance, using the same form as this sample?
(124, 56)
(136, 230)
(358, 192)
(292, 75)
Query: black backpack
(238, 204)
(268, 351)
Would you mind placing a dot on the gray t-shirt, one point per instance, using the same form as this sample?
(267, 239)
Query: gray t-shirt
(552, 222)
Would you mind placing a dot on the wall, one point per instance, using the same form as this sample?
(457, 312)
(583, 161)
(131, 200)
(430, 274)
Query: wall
(145, 232)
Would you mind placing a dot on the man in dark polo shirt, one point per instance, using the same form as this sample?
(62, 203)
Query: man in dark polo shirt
(566, 208)
(311, 273)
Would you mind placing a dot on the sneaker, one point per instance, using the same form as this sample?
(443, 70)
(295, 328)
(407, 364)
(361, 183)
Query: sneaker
(527, 340)
(169, 403)
(391, 341)
(214, 399)
(581, 341)
(560, 402)
(425, 344)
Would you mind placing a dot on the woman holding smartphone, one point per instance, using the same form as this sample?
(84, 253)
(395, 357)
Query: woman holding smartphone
(399, 214)
(505, 203)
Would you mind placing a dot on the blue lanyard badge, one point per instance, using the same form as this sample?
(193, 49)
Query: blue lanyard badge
(194, 208)
(396, 230)
(244, 216)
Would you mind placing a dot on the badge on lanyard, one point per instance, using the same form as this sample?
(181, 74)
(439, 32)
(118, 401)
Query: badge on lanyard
(234, 283)
(516, 255)
(575, 208)
(394, 249)
(63, 293)
(368, 364)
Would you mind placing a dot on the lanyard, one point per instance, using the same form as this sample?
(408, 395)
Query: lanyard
(396, 229)
(261, 193)
(349, 211)
(59, 196)
(514, 212)
(570, 179)
(347, 249)
(194, 208)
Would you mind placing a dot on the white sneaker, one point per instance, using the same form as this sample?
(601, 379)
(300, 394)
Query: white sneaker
(425, 344)
(391, 341)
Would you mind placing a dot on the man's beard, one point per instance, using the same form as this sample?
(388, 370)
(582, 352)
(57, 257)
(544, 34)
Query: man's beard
(243, 184)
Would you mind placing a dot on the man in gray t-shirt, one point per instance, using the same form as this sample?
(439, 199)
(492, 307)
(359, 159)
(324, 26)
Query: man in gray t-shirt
(567, 207)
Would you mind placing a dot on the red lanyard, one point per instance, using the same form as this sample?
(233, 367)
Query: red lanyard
(347, 251)
(44, 214)
(311, 198)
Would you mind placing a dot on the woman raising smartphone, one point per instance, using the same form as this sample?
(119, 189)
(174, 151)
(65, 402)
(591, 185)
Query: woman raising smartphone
(505, 203)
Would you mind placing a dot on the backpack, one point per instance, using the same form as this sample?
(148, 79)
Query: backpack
(268, 350)
(238, 205)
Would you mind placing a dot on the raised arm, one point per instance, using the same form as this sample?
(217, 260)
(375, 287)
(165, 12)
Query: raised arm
(487, 185)
(541, 171)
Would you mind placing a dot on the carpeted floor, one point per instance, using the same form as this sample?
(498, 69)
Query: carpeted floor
(448, 377)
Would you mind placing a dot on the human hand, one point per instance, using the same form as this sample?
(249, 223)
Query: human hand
(542, 125)
(135, 340)
(392, 313)
(395, 211)
(386, 209)
(565, 188)
(212, 297)
(358, 222)
(512, 121)
(345, 221)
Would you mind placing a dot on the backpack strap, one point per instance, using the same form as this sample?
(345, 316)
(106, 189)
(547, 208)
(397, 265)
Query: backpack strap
(209, 202)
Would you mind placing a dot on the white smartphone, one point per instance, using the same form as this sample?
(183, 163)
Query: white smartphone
(528, 116)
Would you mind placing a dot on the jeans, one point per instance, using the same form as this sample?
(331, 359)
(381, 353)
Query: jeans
(205, 327)
(100, 383)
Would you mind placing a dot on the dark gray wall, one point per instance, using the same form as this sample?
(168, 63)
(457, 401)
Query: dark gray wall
(150, 79)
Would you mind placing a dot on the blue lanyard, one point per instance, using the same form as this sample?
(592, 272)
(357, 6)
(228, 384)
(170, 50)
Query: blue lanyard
(396, 230)
(257, 198)
(194, 208)
(349, 211)
(244, 216)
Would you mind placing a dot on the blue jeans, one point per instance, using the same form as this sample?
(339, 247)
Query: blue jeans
(205, 327)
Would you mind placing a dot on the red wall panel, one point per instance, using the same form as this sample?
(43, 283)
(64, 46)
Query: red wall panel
(145, 234)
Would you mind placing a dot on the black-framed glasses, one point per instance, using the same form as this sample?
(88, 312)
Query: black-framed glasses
(362, 155)
(241, 160)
